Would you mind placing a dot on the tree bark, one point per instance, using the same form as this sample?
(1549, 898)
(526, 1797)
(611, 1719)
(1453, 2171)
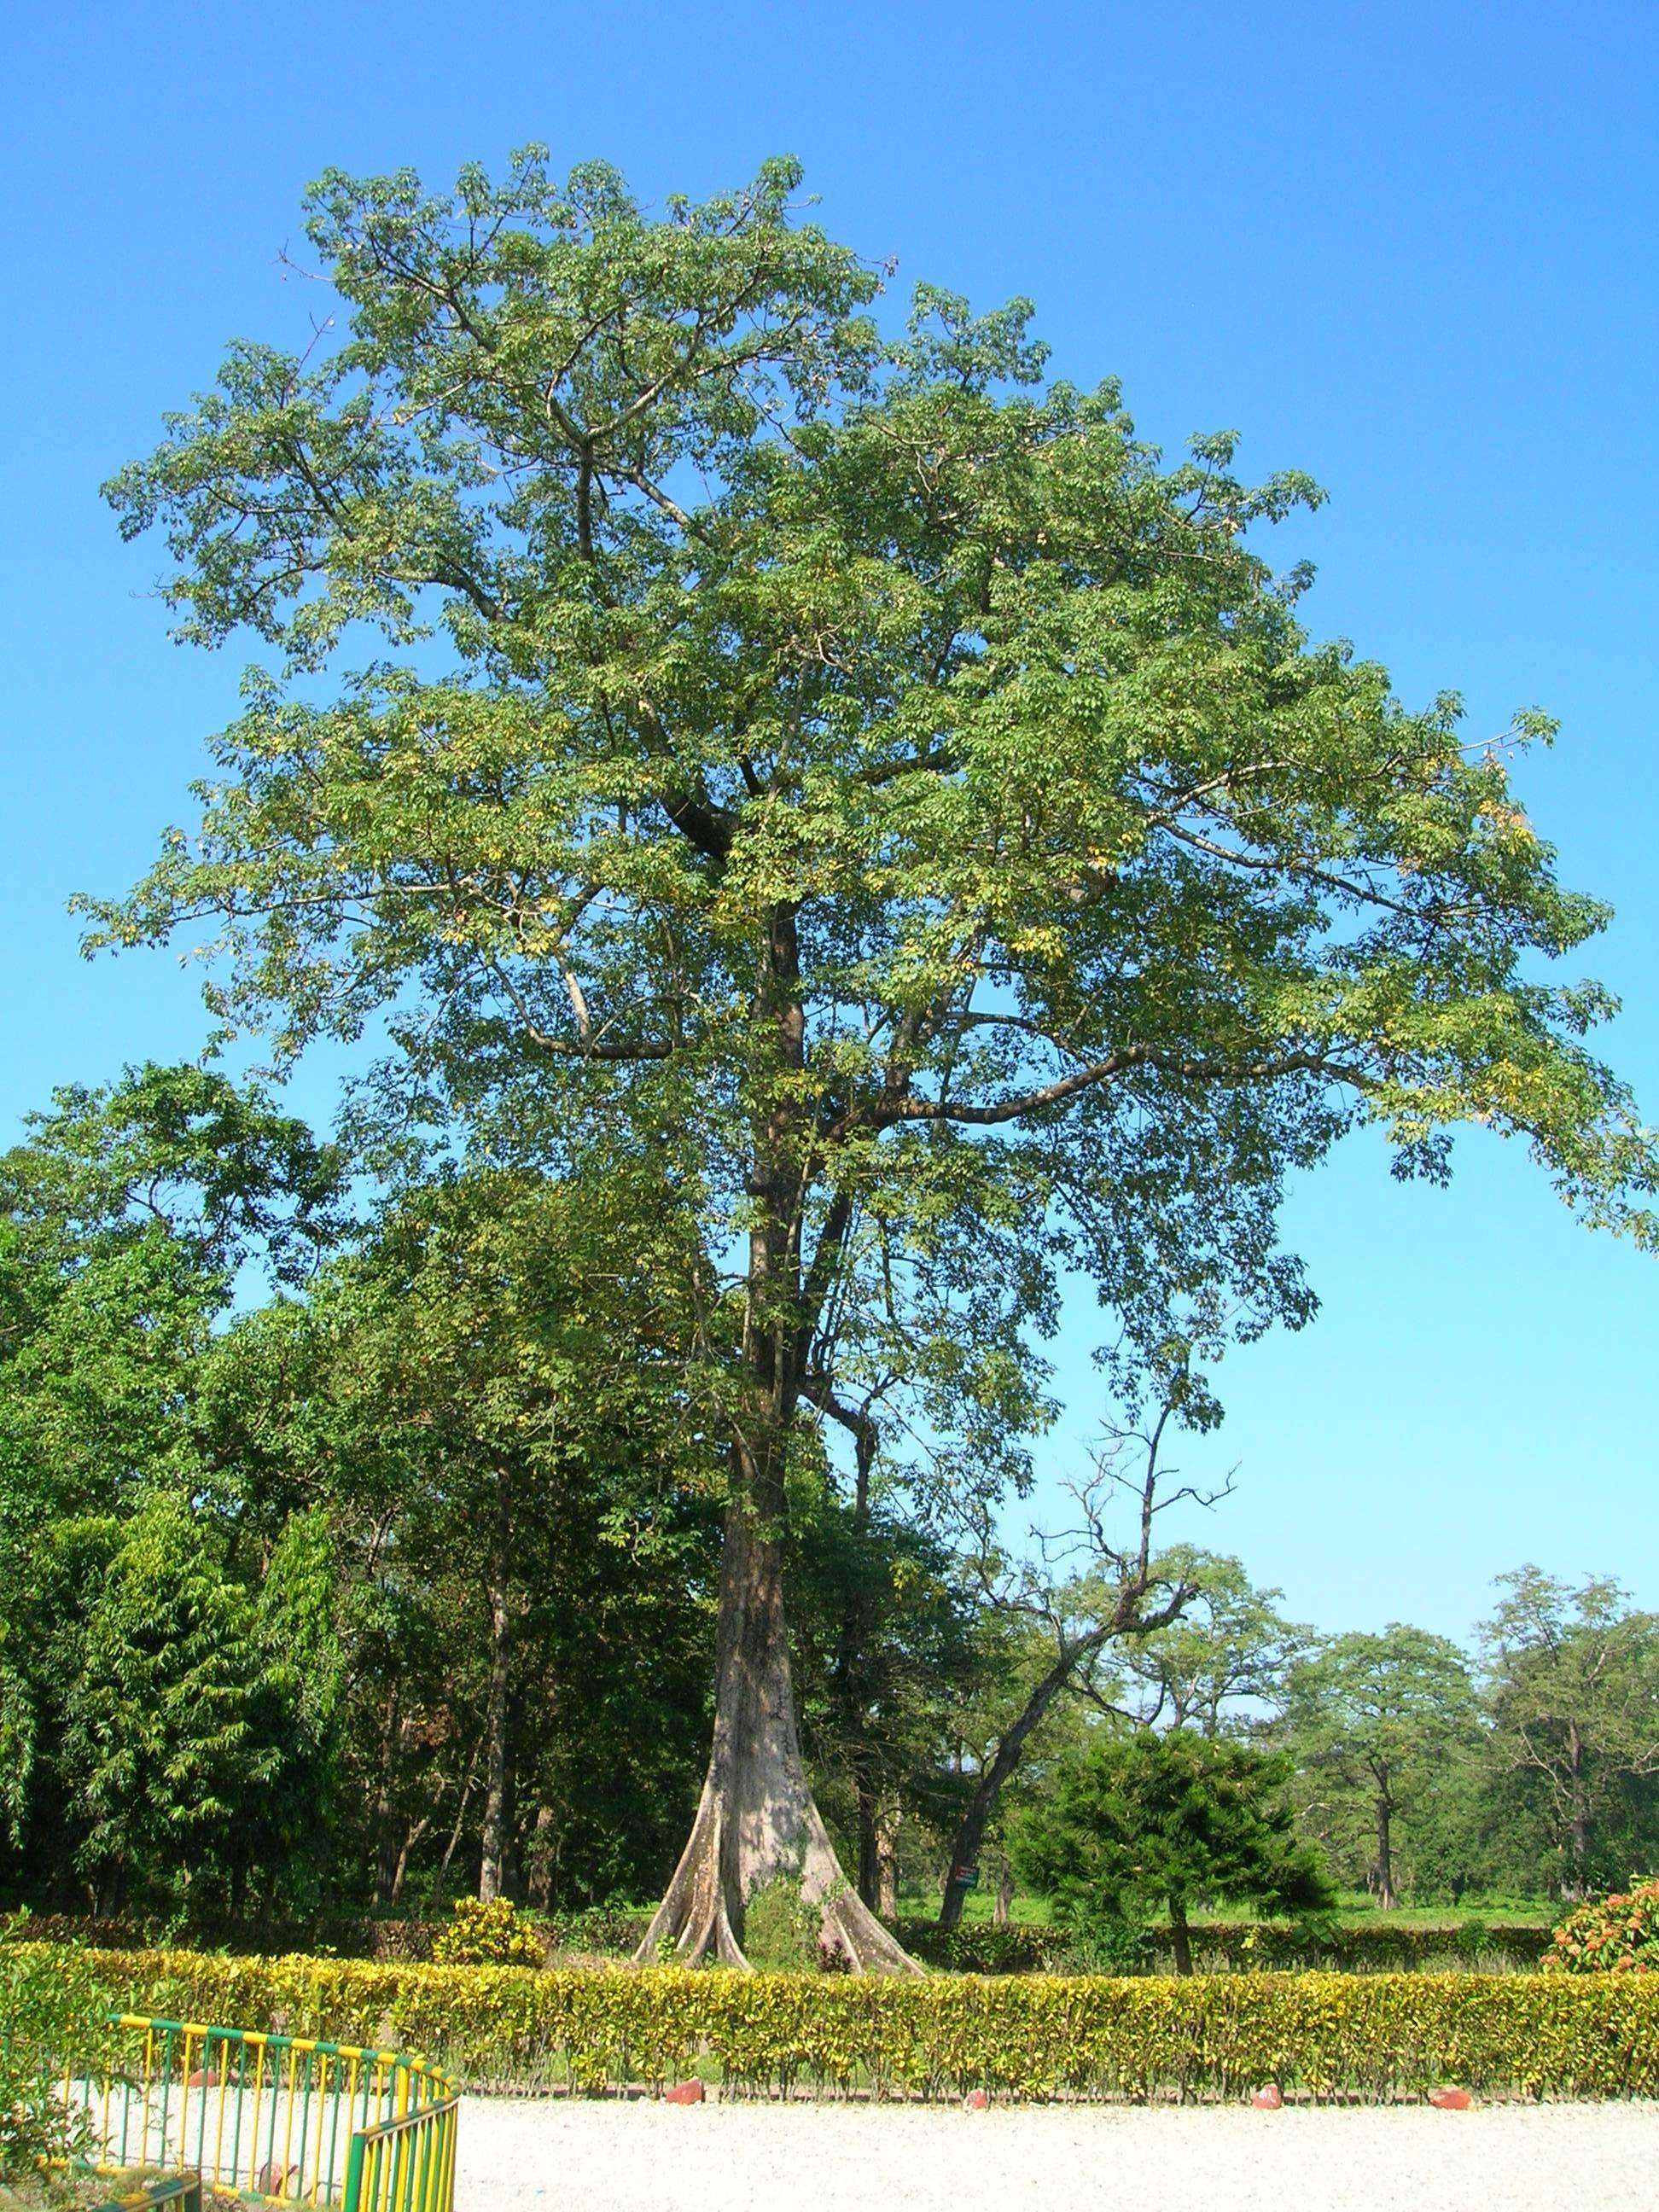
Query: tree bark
(1575, 1885)
(1010, 1746)
(541, 1860)
(869, 1843)
(756, 1822)
(385, 1865)
(1387, 1898)
(1004, 1893)
(498, 1749)
(1181, 1940)
(887, 1836)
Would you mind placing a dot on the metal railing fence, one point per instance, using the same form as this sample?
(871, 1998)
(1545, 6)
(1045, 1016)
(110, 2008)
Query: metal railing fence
(285, 2119)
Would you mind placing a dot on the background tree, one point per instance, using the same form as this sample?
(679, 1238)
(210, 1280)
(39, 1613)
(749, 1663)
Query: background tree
(1168, 1819)
(498, 1420)
(1574, 1696)
(128, 1216)
(859, 761)
(1118, 1590)
(1224, 1662)
(1376, 1720)
(163, 1750)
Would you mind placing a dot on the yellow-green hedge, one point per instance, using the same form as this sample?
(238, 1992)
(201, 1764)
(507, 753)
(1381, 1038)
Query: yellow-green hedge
(1371, 2036)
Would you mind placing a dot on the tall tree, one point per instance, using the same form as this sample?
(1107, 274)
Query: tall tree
(1574, 1694)
(860, 762)
(1377, 1716)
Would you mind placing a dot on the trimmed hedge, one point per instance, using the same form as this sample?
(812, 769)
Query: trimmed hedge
(1371, 2037)
(1240, 1946)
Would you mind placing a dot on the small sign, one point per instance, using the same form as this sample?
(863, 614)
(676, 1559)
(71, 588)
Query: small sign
(966, 1877)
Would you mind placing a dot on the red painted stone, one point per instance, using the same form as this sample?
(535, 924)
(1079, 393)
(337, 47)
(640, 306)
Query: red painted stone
(274, 2177)
(976, 2100)
(203, 2078)
(1451, 2101)
(1267, 2100)
(685, 2093)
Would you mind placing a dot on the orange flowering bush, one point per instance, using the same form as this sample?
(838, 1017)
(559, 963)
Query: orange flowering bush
(1616, 1934)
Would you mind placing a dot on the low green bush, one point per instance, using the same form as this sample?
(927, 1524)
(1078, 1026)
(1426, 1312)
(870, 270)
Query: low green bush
(1381, 1946)
(1372, 2037)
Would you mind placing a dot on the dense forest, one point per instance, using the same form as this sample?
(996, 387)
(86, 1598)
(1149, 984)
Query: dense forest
(355, 1557)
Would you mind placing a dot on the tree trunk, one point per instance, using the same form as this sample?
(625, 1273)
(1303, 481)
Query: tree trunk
(498, 1749)
(756, 1822)
(386, 1864)
(869, 1852)
(1004, 1893)
(887, 1836)
(970, 1833)
(1181, 1941)
(1387, 1898)
(1575, 1885)
(541, 1852)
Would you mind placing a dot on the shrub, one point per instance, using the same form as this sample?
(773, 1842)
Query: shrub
(493, 1935)
(1373, 2036)
(51, 2021)
(1616, 1934)
(1380, 1945)
(1149, 1819)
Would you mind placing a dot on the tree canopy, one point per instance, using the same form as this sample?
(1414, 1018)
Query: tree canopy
(854, 763)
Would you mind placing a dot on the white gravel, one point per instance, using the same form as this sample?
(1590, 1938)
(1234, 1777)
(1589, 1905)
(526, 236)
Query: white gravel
(560, 2154)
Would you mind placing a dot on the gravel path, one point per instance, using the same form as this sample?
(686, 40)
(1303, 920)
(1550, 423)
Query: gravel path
(564, 2155)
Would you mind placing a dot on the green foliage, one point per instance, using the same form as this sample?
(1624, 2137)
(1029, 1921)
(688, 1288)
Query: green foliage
(1229, 1647)
(1616, 1934)
(1374, 1722)
(162, 1745)
(779, 1930)
(52, 2007)
(1374, 2037)
(1379, 1945)
(488, 1932)
(1574, 1698)
(1172, 1820)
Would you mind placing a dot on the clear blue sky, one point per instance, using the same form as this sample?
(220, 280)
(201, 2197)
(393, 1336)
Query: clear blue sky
(1408, 246)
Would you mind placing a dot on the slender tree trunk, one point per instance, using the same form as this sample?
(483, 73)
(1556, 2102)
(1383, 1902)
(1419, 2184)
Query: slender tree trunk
(411, 1836)
(1004, 1893)
(541, 1860)
(1010, 1748)
(385, 1865)
(1575, 1885)
(887, 1836)
(1387, 1899)
(1181, 1939)
(460, 1812)
(869, 1843)
(498, 1746)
